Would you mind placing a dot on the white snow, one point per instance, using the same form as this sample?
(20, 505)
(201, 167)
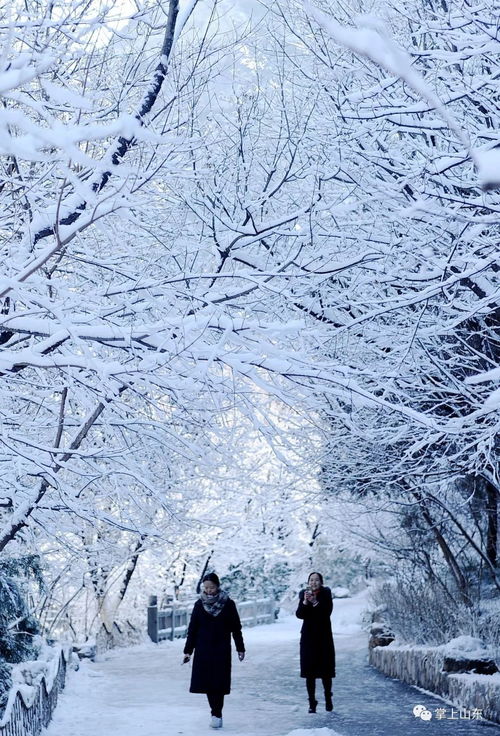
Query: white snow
(488, 164)
(466, 645)
(27, 677)
(469, 678)
(340, 592)
(145, 689)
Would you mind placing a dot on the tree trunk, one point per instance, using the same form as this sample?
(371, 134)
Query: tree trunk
(198, 587)
(492, 522)
(448, 555)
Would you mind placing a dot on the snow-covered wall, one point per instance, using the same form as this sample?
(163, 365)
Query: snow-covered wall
(423, 666)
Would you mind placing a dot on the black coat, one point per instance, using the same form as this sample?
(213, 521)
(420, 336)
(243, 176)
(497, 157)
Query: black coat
(317, 651)
(210, 638)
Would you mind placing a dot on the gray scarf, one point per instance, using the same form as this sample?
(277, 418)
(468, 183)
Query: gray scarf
(213, 604)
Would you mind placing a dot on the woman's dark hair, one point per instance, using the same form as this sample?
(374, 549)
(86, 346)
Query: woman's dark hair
(318, 574)
(211, 577)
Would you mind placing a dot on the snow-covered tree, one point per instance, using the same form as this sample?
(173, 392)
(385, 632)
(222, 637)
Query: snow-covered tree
(409, 92)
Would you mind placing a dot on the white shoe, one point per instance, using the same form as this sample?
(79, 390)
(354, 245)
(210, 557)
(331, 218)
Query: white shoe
(215, 722)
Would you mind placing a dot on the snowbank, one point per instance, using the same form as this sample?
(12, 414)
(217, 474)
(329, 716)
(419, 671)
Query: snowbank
(466, 645)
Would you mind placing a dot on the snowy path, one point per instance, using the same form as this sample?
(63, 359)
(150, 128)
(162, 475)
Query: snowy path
(143, 691)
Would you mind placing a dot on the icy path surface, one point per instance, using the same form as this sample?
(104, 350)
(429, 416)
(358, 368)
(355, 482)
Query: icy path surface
(143, 691)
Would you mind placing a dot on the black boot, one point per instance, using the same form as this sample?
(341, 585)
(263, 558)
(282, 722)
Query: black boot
(312, 706)
(328, 702)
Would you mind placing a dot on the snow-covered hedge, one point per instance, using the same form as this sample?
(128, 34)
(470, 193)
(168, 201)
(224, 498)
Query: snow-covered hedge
(424, 667)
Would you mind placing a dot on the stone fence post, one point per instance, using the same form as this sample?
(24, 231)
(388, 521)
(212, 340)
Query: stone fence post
(153, 618)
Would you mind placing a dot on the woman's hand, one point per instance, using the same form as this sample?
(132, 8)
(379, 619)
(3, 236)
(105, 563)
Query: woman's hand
(241, 656)
(308, 597)
(186, 659)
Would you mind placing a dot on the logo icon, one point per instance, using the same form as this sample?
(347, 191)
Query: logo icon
(420, 711)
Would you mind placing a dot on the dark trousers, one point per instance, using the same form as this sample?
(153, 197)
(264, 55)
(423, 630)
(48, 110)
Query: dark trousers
(311, 687)
(216, 702)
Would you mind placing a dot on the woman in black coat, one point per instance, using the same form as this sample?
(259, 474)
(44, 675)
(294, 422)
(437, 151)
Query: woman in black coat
(213, 619)
(317, 651)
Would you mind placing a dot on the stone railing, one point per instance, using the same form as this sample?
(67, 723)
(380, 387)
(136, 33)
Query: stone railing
(426, 667)
(29, 708)
(172, 622)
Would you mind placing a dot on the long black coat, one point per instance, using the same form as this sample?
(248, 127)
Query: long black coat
(317, 651)
(210, 638)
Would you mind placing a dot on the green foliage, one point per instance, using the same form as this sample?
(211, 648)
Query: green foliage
(17, 626)
(257, 578)
(345, 570)
(5, 684)
(342, 567)
(27, 566)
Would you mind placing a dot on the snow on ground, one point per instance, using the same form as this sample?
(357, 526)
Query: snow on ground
(312, 732)
(144, 691)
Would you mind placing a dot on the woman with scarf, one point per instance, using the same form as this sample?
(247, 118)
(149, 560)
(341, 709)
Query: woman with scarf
(317, 651)
(213, 620)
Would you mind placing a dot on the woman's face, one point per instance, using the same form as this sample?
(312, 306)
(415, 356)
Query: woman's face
(314, 582)
(210, 588)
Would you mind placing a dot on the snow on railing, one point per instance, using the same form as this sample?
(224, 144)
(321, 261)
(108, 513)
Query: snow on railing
(29, 708)
(259, 611)
(172, 621)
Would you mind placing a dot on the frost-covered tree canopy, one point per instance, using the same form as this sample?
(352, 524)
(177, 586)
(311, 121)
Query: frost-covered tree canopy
(249, 279)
